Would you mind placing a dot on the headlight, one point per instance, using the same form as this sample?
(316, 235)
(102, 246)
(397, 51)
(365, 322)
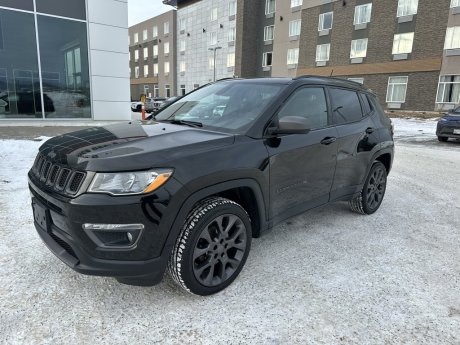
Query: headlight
(442, 119)
(127, 183)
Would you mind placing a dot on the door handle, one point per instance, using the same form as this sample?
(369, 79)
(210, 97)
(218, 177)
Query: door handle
(328, 140)
(370, 130)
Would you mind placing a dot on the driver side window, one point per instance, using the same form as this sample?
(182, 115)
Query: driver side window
(310, 103)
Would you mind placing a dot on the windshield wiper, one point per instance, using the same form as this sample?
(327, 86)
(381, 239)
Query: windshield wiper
(185, 122)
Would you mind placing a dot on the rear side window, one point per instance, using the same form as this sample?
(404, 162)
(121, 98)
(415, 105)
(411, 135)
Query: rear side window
(367, 105)
(345, 105)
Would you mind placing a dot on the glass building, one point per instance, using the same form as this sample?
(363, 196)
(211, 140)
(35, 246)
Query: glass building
(48, 69)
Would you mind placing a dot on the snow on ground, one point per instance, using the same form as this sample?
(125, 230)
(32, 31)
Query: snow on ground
(414, 129)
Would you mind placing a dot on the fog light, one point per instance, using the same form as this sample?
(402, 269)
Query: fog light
(114, 235)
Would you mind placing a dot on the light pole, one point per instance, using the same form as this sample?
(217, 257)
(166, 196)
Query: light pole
(214, 49)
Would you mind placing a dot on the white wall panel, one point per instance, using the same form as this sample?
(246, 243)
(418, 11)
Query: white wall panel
(111, 111)
(109, 64)
(110, 89)
(108, 12)
(110, 38)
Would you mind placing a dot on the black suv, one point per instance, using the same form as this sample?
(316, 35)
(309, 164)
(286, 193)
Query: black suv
(188, 191)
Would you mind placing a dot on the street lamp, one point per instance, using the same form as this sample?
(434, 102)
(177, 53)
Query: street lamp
(214, 49)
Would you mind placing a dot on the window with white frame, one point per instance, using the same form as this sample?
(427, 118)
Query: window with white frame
(136, 55)
(166, 48)
(231, 60)
(182, 45)
(452, 38)
(155, 50)
(167, 91)
(448, 89)
(232, 8)
(155, 69)
(363, 14)
(325, 21)
(182, 24)
(182, 67)
(269, 33)
(293, 56)
(166, 67)
(156, 91)
(402, 43)
(155, 31)
(295, 3)
(455, 3)
(397, 88)
(357, 80)
(166, 28)
(322, 52)
(182, 90)
(146, 53)
(211, 62)
(267, 59)
(231, 34)
(294, 28)
(212, 38)
(358, 48)
(144, 35)
(213, 14)
(146, 71)
(136, 37)
(136, 72)
(407, 7)
(270, 6)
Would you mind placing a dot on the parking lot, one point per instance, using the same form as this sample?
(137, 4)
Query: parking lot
(328, 276)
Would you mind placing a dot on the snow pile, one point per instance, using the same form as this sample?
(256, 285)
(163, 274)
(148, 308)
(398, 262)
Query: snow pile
(414, 129)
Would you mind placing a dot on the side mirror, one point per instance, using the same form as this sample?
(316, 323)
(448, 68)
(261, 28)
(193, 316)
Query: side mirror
(291, 125)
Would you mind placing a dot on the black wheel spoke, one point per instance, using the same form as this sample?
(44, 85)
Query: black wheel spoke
(198, 252)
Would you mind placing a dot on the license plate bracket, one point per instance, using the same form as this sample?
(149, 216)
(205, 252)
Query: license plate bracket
(456, 131)
(41, 215)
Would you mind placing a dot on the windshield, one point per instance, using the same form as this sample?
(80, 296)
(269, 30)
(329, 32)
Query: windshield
(457, 111)
(226, 106)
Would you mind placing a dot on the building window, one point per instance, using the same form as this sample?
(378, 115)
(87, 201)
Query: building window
(155, 31)
(325, 21)
(407, 7)
(452, 38)
(146, 71)
(167, 67)
(267, 59)
(211, 62)
(358, 48)
(295, 3)
(293, 56)
(136, 72)
(166, 48)
(156, 91)
(322, 52)
(136, 37)
(166, 28)
(270, 6)
(182, 24)
(182, 45)
(155, 51)
(231, 60)
(269, 33)
(231, 34)
(363, 14)
(136, 55)
(182, 67)
(402, 43)
(146, 53)
(196, 86)
(449, 89)
(212, 38)
(357, 80)
(232, 8)
(213, 14)
(455, 3)
(397, 87)
(294, 28)
(155, 69)
(144, 35)
(167, 91)
(182, 90)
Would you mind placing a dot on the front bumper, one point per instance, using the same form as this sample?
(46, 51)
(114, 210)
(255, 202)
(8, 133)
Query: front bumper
(446, 129)
(59, 221)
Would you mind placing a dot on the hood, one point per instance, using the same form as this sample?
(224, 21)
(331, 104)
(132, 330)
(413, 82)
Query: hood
(452, 116)
(131, 146)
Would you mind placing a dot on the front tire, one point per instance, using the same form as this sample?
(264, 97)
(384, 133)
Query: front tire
(371, 196)
(212, 247)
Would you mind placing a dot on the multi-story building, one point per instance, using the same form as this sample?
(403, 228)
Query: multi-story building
(152, 47)
(63, 59)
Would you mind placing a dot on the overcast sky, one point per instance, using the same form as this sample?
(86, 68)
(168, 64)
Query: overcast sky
(140, 10)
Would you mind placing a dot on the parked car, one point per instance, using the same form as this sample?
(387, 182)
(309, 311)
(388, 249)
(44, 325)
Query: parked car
(160, 105)
(449, 125)
(188, 192)
(136, 106)
(152, 104)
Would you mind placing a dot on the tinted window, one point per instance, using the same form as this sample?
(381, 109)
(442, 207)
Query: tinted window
(66, 8)
(309, 103)
(367, 105)
(345, 105)
(27, 5)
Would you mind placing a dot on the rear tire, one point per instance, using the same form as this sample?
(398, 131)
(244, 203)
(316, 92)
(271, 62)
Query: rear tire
(371, 196)
(212, 247)
(443, 139)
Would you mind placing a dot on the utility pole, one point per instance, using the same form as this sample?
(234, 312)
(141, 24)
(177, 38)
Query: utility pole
(215, 50)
